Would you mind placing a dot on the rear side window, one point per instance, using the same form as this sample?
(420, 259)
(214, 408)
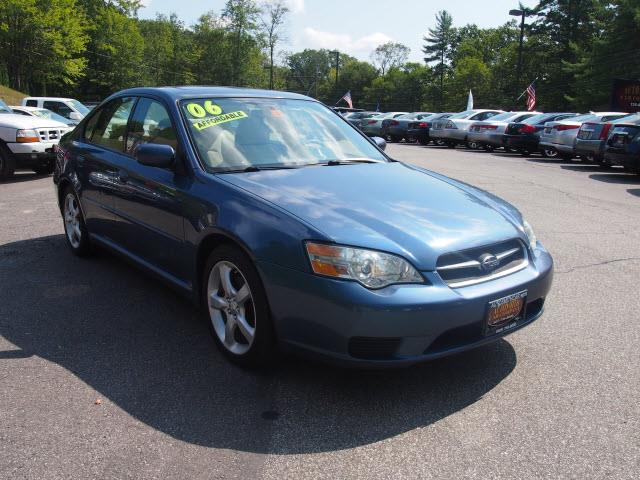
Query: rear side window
(150, 124)
(110, 125)
(612, 117)
(58, 107)
(32, 103)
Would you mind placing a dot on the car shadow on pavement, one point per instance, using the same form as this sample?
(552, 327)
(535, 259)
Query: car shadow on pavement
(634, 191)
(144, 348)
(582, 168)
(621, 177)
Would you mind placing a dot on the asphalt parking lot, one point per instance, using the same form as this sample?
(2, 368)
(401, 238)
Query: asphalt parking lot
(105, 373)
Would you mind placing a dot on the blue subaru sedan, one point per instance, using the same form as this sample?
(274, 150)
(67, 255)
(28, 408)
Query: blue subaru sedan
(291, 229)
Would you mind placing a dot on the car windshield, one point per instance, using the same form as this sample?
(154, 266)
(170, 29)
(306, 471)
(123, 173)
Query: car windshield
(232, 134)
(581, 118)
(79, 106)
(503, 116)
(631, 118)
(49, 115)
(540, 118)
(4, 108)
(464, 114)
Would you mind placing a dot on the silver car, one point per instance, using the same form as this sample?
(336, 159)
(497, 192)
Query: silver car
(488, 134)
(373, 126)
(454, 129)
(558, 138)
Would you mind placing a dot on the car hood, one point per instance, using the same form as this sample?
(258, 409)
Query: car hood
(14, 120)
(388, 206)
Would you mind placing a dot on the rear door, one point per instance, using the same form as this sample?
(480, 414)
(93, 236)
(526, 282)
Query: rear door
(96, 153)
(148, 201)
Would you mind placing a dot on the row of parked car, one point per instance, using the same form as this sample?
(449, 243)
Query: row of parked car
(606, 138)
(30, 131)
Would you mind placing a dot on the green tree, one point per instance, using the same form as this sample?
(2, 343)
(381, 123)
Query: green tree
(272, 22)
(242, 20)
(115, 53)
(439, 47)
(41, 44)
(390, 55)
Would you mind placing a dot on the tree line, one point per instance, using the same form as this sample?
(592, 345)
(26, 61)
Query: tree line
(89, 49)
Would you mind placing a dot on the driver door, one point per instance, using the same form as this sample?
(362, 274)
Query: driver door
(149, 200)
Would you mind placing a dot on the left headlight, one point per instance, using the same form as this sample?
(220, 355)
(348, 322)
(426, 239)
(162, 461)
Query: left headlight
(531, 236)
(371, 268)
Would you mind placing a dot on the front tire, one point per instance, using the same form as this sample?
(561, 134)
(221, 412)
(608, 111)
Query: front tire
(235, 307)
(75, 228)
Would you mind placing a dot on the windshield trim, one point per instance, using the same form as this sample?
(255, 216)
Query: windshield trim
(215, 171)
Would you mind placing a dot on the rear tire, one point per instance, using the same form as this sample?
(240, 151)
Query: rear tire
(549, 153)
(235, 307)
(75, 228)
(7, 163)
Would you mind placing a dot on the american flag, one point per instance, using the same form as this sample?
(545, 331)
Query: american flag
(347, 98)
(531, 98)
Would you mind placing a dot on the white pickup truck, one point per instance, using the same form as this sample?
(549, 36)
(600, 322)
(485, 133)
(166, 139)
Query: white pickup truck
(27, 142)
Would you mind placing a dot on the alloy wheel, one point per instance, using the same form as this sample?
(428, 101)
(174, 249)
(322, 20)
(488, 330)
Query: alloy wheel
(231, 307)
(72, 220)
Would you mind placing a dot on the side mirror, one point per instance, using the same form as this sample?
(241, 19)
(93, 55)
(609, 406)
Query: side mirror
(155, 155)
(380, 142)
(75, 116)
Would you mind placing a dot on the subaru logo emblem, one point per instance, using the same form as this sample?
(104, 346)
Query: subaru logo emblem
(489, 262)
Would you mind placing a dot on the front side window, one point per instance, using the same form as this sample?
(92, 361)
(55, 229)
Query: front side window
(150, 124)
(237, 133)
(108, 127)
(58, 107)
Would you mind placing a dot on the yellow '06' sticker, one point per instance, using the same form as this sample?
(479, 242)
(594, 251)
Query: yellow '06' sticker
(217, 120)
(200, 111)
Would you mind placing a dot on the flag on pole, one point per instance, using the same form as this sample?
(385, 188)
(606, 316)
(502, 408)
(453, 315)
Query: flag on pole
(470, 101)
(347, 98)
(531, 97)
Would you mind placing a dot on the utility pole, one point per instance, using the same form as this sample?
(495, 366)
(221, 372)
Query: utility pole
(337, 66)
(523, 14)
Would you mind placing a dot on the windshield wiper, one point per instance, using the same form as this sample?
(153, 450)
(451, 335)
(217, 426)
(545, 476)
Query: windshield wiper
(256, 168)
(351, 161)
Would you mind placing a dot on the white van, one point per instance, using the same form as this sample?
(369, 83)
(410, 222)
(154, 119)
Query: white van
(67, 107)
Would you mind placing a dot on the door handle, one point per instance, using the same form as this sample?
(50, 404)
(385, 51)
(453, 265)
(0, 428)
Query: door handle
(123, 176)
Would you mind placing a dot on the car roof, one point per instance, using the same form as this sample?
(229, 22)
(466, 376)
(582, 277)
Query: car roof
(172, 94)
(48, 98)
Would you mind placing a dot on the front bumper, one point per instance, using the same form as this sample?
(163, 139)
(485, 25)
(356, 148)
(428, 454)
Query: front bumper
(406, 323)
(32, 154)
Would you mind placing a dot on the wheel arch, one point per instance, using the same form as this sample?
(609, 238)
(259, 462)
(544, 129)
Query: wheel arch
(210, 242)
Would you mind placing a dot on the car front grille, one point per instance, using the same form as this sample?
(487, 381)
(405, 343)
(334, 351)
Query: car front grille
(476, 265)
(50, 135)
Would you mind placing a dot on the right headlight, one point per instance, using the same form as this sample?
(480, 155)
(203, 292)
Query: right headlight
(371, 268)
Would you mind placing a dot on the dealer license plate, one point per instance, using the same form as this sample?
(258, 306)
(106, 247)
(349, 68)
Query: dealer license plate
(505, 313)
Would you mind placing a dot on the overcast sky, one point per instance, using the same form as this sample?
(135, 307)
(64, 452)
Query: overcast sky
(357, 26)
